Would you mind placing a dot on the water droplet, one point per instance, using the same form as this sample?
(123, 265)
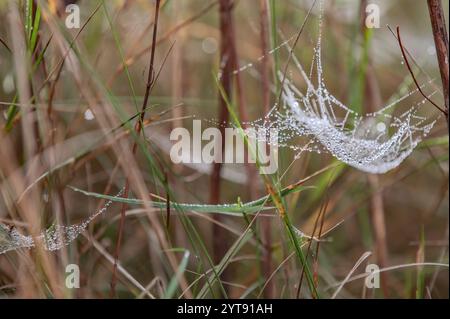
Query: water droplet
(381, 127)
(8, 83)
(88, 115)
(431, 50)
(209, 45)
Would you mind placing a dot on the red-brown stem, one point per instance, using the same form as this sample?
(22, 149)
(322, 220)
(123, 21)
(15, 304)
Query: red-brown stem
(265, 222)
(379, 228)
(412, 74)
(441, 43)
(377, 211)
(230, 57)
(219, 234)
(138, 127)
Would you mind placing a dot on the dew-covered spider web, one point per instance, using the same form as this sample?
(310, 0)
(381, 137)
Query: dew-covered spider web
(374, 143)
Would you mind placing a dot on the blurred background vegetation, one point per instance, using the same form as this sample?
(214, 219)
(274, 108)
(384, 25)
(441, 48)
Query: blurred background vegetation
(71, 124)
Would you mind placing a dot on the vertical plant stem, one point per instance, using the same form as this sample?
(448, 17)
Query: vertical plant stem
(265, 222)
(219, 235)
(379, 228)
(441, 42)
(138, 127)
(370, 90)
(178, 77)
(274, 43)
(250, 170)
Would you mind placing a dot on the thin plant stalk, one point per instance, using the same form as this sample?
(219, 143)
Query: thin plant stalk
(226, 68)
(266, 223)
(138, 127)
(441, 42)
(371, 89)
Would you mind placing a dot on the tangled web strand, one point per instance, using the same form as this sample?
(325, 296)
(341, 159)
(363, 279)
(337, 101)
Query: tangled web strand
(53, 238)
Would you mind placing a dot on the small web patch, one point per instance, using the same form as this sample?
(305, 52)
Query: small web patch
(53, 238)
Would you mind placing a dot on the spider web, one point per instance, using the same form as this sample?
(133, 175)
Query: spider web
(53, 238)
(374, 143)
